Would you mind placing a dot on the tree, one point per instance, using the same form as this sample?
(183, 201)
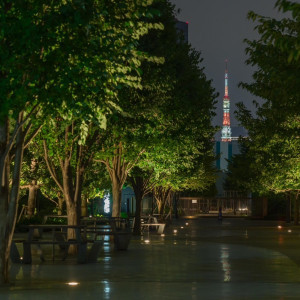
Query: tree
(21, 73)
(163, 118)
(142, 183)
(182, 100)
(274, 143)
(57, 58)
(81, 123)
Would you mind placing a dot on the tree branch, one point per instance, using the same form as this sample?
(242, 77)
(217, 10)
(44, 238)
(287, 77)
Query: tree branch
(32, 136)
(51, 170)
(17, 128)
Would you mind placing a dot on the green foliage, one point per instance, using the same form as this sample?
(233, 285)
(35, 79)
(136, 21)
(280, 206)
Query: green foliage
(182, 102)
(57, 220)
(166, 127)
(273, 144)
(93, 55)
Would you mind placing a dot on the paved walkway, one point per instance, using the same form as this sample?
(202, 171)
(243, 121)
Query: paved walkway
(205, 259)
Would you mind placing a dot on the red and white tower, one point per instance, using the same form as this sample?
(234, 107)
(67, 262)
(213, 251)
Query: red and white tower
(226, 130)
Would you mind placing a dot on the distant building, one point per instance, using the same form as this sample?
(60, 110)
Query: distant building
(226, 129)
(225, 151)
(236, 133)
(184, 28)
(226, 140)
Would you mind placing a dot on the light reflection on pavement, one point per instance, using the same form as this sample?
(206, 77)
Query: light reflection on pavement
(206, 259)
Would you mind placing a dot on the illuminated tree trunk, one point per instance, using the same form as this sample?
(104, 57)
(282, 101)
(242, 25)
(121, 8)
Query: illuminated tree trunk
(116, 208)
(118, 170)
(71, 185)
(161, 196)
(84, 208)
(61, 201)
(31, 204)
(72, 198)
(9, 193)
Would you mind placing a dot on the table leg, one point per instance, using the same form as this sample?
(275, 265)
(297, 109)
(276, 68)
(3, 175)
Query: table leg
(27, 259)
(82, 253)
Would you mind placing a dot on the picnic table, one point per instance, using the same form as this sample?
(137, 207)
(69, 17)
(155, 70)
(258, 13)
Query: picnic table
(119, 228)
(56, 235)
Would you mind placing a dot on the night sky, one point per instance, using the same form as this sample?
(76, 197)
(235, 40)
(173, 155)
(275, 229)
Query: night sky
(217, 28)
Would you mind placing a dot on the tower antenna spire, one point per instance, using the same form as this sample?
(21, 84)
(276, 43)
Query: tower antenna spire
(226, 130)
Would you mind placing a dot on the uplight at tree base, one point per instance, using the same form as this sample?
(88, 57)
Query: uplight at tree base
(72, 283)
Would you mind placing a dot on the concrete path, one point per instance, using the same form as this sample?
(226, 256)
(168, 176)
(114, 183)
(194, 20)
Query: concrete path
(205, 259)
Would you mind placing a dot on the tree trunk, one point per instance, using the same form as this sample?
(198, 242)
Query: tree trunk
(73, 203)
(161, 196)
(141, 184)
(162, 209)
(118, 170)
(72, 213)
(8, 196)
(138, 213)
(60, 205)
(31, 204)
(116, 191)
(84, 209)
(72, 181)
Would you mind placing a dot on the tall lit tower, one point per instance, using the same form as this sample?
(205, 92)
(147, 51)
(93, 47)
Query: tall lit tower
(226, 130)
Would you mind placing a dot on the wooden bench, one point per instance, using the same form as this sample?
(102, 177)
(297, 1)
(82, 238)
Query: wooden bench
(160, 227)
(150, 221)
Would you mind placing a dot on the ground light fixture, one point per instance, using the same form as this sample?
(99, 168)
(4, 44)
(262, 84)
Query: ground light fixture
(72, 283)
(175, 230)
(289, 230)
(147, 241)
(186, 224)
(279, 226)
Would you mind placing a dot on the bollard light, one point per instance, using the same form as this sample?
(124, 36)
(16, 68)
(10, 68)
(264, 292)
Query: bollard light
(175, 231)
(147, 241)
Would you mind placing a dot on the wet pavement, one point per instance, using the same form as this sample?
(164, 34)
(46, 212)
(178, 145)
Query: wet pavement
(205, 259)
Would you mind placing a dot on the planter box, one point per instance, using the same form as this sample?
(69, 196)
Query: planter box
(122, 240)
